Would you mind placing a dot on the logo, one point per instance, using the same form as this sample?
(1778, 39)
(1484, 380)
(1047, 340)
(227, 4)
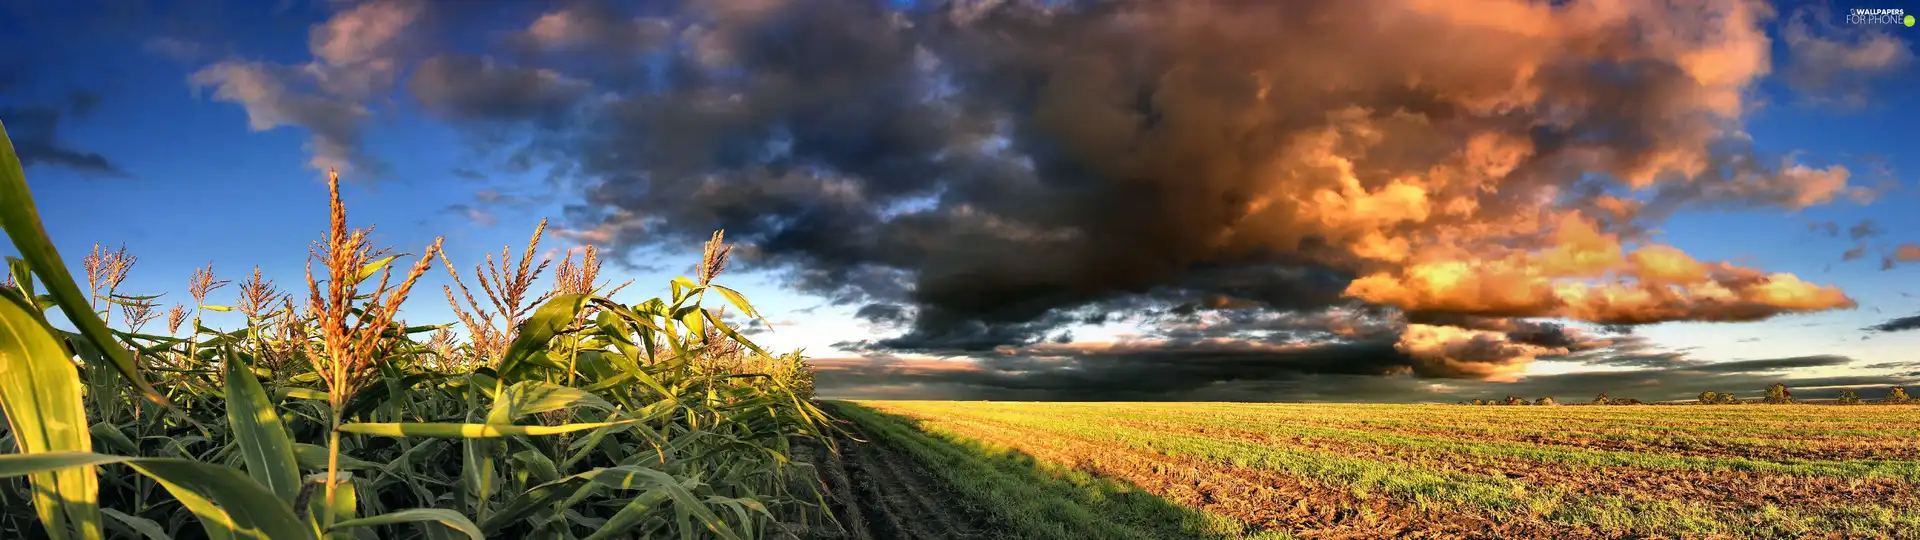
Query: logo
(1879, 16)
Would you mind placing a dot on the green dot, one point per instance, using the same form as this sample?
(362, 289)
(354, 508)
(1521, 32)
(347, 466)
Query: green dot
(1909, 21)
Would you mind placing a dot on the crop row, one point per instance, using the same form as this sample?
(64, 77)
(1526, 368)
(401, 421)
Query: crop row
(1566, 492)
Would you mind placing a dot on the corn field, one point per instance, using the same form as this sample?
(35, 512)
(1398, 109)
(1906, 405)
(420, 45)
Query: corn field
(561, 413)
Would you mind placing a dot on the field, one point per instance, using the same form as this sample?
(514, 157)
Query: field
(549, 409)
(1224, 470)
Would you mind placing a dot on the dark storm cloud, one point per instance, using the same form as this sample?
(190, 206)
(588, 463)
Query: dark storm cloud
(1541, 333)
(467, 87)
(1117, 372)
(880, 313)
(1771, 364)
(35, 128)
(1356, 374)
(983, 175)
(1899, 324)
(1633, 352)
(1007, 160)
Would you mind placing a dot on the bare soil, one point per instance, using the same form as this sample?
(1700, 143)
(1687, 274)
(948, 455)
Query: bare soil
(878, 492)
(1266, 499)
(1736, 489)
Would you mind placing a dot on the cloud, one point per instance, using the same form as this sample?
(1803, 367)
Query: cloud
(596, 27)
(176, 49)
(1855, 253)
(263, 90)
(476, 216)
(1904, 253)
(1864, 230)
(1145, 370)
(475, 88)
(355, 58)
(1833, 65)
(1770, 364)
(1900, 324)
(35, 131)
(1331, 373)
(468, 173)
(34, 124)
(992, 174)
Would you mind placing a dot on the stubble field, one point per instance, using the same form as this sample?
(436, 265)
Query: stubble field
(1223, 470)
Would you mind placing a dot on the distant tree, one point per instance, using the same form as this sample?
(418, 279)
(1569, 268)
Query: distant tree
(1601, 400)
(1778, 394)
(1627, 401)
(1515, 400)
(1847, 397)
(1544, 401)
(1897, 395)
(1727, 398)
(1479, 402)
(1709, 398)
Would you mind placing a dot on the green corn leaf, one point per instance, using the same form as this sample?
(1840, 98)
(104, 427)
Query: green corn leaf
(146, 527)
(134, 300)
(470, 431)
(22, 274)
(735, 336)
(228, 504)
(739, 301)
(536, 498)
(476, 473)
(683, 288)
(538, 467)
(12, 465)
(346, 499)
(313, 457)
(114, 437)
(547, 321)
(424, 328)
(535, 397)
(635, 512)
(211, 307)
(374, 395)
(683, 498)
(21, 220)
(372, 268)
(302, 393)
(40, 393)
(24, 294)
(448, 518)
(262, 438)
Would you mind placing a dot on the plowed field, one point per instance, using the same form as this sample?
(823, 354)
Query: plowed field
(1218, 470)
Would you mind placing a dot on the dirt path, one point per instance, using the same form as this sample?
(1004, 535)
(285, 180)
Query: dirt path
(880, 493)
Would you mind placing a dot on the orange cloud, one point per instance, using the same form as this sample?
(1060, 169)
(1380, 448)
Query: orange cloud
(1907, 252)
(1584, 276)
(1471, 353)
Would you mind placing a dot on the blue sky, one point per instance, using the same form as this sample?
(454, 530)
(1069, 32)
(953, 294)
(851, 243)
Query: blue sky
(189, 182)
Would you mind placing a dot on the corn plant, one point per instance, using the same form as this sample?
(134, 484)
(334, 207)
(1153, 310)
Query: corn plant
(562, 414)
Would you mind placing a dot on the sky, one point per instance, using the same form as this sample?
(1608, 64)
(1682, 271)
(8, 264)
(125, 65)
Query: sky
(1399, 201)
